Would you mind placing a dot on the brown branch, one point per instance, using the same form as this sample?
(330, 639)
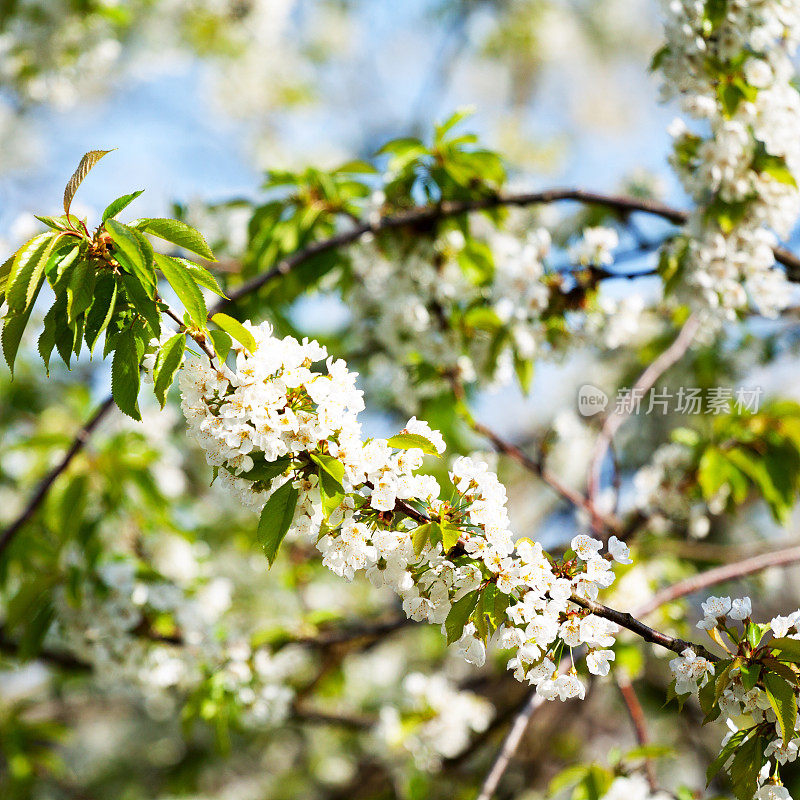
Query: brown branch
(651, 635)
(512, 740)
(356, 722)
(727, 572)
(44, 485)
(646, 381)
(56, 658)
(536, 466)
(622, 204)
(422, 215)
(639, 722)
(351, 632)
(706, 579)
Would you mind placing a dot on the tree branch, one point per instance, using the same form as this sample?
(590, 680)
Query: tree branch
(614, 421)
(727, 572)
(619, 203)
(639, 722)
(512, 740)
(706, 579)
(626, 620)
(537, 467)
(44, 485)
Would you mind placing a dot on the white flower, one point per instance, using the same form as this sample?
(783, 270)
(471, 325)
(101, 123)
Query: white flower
(782, 625)
(275, 406)
(691, 671)
(586, 547)
(773, 791)
(715, 609)
(620, 552)
(741, 608)
(598, 661)
(421, 428)
(595, 248)
(569, 686)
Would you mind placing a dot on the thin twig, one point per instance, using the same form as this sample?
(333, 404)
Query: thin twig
(422, 215)
(356, 722)
(706, 579)
(639, 722)
(627, 620)
(512, 741)
(727, 572)
(646, 381)
(44, 485)
(609, 522)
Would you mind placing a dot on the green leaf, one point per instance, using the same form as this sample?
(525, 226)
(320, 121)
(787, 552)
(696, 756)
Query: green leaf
(458, 616)
(128, 251)
(5, 271)
(707, 699)
(779, 668)
(781, 697)
(777, 169)
(119, 204)
(276, 519)
(331, 465)
(168, 361)
(80, 289)
(787, 646)
(182, 281)
(56, 223)
(142, 302)
(27, 271)
(566, 778)
(13, 328)
(203, 277)
(746, 765)
(658, 58)
(477, 263)
(181, 234)
(459, 115)
(235, 329)
(400, 147)
(330, 489)
(47, 339)
(730, 747)
(407, 441)
(754, 633)
(264, 470)
(85, 166)
(222, 343)
(750, 675)
(729, 95)
(763, 475)
(523, 367)
(125, 375)
(64, 334)
(99, 315)
(420, 537)
(450, 537)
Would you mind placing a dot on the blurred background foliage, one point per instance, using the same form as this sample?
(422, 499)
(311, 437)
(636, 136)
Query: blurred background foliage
(167, 662)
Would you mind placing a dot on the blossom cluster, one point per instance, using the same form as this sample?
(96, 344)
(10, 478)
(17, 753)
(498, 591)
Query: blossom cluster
(449, 552)
(447, 717)
(661, 493)
(732, 69)
(633, 787)
(436, 308)
(745, 684)
(111, 630)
